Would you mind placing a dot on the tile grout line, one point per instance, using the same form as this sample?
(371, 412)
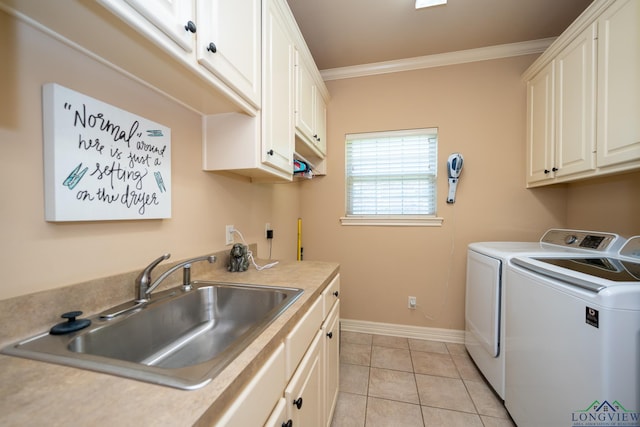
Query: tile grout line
(458, 368)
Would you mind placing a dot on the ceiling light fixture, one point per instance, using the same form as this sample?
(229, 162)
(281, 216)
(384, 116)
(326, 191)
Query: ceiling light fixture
(428, 3)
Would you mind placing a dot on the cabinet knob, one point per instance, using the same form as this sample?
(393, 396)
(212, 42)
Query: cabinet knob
(298, 403)
(336, 293)
(554, 169)
(270, 152)
(191, 27)
(212, 48)
(546, 171)
(330, 335)
(288, 423)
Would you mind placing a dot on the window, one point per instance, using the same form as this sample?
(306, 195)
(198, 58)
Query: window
(391, 178)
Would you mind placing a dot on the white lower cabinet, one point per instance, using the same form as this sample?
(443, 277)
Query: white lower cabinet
(298, 384)
(279, 417)
(298, 340)
(331, 350)
(304, 393)
(256, 401)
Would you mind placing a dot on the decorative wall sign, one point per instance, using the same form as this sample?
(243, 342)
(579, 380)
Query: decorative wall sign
(101, 162)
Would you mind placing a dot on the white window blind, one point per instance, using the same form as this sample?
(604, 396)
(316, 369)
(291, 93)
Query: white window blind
(392, 174)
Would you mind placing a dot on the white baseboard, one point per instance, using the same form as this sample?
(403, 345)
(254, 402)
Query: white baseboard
(405, 331)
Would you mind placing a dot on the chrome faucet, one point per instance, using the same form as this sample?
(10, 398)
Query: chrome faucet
(144, 287)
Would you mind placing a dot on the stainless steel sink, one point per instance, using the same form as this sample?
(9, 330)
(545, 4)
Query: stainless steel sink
(180, 338)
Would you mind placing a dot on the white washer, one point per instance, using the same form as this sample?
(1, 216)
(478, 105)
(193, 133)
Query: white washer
(484, 307)
(573, 338)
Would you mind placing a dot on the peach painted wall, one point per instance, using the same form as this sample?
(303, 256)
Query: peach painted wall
(479, 109)
(607, 204)
(36, 255)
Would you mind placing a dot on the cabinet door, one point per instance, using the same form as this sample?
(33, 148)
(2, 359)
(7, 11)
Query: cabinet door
(278, 417)
(321, 124)
(261, 395)
(169, 16)
(277, 103)
(229, 43)
(310, 108)
(540, 144)
(618, 83)
(331, 356)
(575, 106)
(305, 99)
(304, 392)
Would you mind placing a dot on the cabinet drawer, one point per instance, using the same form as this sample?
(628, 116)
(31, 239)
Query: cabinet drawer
(261, 394)
(330, 295)
(298, 340)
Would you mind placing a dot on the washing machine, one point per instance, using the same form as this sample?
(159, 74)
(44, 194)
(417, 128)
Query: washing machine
(573, 338)
(486, 284)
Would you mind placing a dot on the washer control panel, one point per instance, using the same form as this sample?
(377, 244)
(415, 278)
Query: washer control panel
(589, 240)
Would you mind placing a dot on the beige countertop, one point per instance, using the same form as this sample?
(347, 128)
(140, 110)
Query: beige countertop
(39, 393)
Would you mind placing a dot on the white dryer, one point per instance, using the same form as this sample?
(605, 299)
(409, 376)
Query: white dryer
(484, 303)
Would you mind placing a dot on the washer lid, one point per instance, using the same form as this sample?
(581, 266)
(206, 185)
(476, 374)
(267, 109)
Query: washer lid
(603, 268)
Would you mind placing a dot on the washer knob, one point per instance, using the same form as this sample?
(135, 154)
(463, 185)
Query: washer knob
(570, 239)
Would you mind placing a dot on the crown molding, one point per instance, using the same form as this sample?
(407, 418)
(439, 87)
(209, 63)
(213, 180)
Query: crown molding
(439, 60)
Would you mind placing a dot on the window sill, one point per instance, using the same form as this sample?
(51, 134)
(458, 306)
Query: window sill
(392, 221)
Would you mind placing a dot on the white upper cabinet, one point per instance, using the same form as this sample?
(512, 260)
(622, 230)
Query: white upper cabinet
(570, 135)
(229, 43)
(305, 99)
(321, 123)
(277, 111)
(310, 108)
(561, 113)
(619, 84)
(230, 60)
(261, 146)
(219, 36)
(174, 18)
(575, 108)
(540, 116)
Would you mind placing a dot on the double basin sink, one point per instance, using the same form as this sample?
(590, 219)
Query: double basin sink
(180, 338)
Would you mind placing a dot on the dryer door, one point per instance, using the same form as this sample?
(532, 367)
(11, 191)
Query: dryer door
(482, 306)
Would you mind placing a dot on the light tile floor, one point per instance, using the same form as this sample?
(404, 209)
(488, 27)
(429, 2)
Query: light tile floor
(391, 381)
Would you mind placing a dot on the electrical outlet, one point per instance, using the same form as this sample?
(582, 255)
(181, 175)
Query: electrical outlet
(267, 227)
(228, 234)
(413, 302)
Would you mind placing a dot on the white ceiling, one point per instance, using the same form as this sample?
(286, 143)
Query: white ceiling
(343, 33)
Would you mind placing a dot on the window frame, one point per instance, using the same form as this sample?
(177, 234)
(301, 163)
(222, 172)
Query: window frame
(426, 220)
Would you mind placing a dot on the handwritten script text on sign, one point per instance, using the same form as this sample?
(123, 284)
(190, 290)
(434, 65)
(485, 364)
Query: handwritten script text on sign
(102, 162)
